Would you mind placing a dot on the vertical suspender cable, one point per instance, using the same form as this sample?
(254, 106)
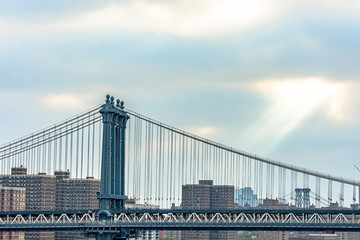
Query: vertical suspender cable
(182, 160)
(174, 170)
(171, 163)
(195, 162)
(135, 166)
(206, 161)
(82, 153)
(198, 175)
(280, 194)
(49, 156)
(218, 166)
(137, 147)
(330, 190)
(341, 194)
(146, 159)
(43, 158)
(55, 153)
(100, 149)
(191, 177)
(233, 173)
(236, 176)
(284, 182)
(203, 153)
(31, 153)
(250, 173)
(93, 148)
(127, 190)
(186, 168)
(38, 152)
(272, 181)
(261, 183)
(60, 150)
(140, 158)
(151, 161)
(161, 166)
(77, 150)
(71, 150)
(157, 160)
(179, 183)
(317, 191)
(88, 150)
(354, 194)
(292, 187)
(66, 147)
(222, 163)
(268, 180)
(168, 167)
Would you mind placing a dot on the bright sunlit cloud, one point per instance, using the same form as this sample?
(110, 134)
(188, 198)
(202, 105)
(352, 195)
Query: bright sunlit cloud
(62, 101)
(204, 131)
(293, 101)
(196, 18)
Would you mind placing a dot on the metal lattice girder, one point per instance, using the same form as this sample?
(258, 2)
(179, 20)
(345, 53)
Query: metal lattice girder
(310, 220)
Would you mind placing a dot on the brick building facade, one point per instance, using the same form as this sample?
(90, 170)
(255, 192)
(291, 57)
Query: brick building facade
(54, 192)
(12, 199)
(205, 195)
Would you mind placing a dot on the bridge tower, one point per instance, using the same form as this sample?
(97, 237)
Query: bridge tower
(302, 197)
(112, 185)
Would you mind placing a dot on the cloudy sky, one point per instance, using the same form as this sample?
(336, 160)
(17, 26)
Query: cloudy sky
(275, 78)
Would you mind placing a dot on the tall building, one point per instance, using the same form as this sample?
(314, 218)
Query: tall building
(272, 235)
(205, 195)
(245, 197)
(12, 199)
(175, 235)
(148, 234)
(54, 192)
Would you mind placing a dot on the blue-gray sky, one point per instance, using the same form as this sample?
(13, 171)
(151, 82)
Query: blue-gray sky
(275, 78)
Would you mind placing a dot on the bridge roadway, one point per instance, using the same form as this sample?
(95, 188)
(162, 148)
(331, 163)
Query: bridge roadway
(156, 219)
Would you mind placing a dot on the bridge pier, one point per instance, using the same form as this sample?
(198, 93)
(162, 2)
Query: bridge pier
(112, 185)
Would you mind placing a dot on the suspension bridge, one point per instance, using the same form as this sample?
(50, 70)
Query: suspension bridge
(138, 158)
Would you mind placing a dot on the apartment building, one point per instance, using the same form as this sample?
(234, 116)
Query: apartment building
(205, 195)
(12, 199)
(54, 192)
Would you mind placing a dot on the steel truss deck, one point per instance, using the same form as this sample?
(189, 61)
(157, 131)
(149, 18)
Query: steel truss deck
(310, 220)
